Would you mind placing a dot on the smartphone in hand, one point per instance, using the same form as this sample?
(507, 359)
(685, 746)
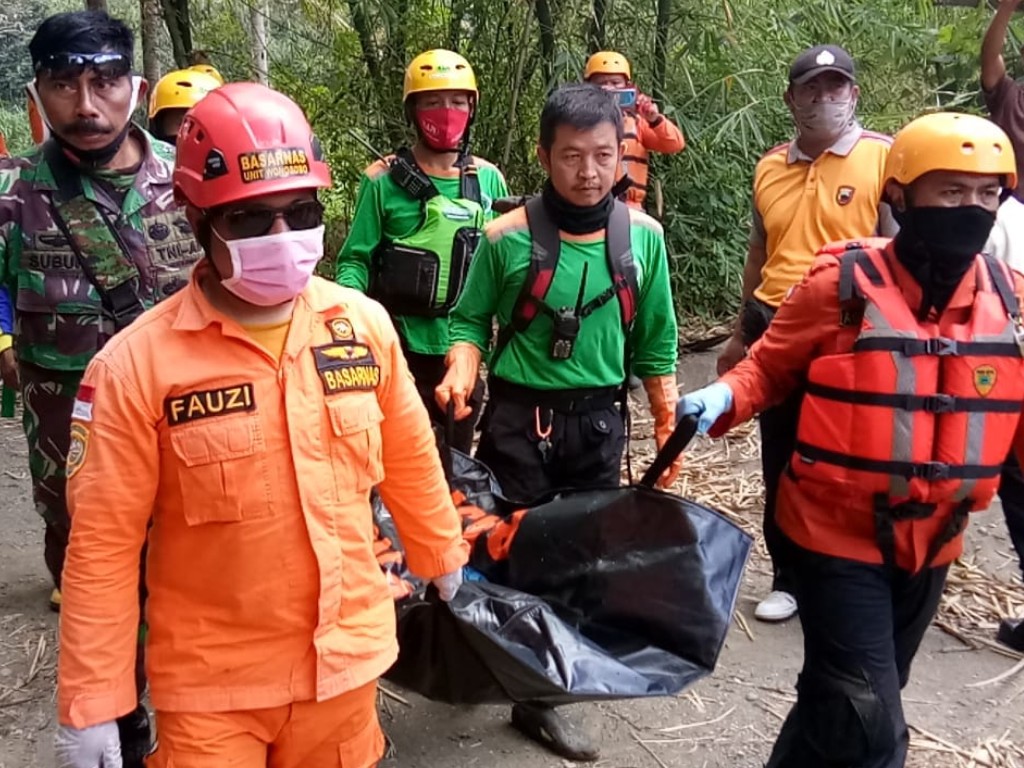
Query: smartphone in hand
(626, 97)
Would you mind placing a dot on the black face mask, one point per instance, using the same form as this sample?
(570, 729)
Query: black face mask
(938, 245)
(91, 159)
(576, 219)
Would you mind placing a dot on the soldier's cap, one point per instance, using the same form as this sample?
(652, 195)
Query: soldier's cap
(821, 58)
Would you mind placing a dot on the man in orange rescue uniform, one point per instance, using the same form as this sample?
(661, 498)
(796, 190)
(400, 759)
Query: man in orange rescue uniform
(645, 129)
(911, 350)
(246, 421)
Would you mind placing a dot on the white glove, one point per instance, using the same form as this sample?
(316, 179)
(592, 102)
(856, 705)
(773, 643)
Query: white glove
(98, 746)
(447, 585)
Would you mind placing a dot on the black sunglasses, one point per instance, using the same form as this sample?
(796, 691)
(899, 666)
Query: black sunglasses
(255, 221)
(61, 66)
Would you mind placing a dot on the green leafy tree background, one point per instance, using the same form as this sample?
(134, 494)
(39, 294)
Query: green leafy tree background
(717, 67)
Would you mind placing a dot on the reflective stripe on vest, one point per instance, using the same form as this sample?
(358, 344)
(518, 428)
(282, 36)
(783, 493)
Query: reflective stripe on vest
(635, 160)
(908, 413)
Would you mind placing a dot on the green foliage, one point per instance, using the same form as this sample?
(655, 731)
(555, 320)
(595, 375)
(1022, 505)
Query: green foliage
(14, 127)
(724, 73)
(726, 79)
(18, 21)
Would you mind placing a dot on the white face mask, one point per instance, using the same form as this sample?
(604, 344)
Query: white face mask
(273, 269)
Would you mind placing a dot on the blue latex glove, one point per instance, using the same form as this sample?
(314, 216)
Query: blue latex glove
(6, 311)
(708, 404)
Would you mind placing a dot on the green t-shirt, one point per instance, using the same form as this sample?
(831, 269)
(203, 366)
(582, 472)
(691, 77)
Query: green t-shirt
(496, 277)
(384, 211)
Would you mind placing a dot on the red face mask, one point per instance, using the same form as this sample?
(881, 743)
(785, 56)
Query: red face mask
(442, 128)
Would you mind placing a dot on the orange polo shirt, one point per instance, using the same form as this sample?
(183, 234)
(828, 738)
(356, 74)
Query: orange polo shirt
(800, 204)
(832, 520)
(256, 474)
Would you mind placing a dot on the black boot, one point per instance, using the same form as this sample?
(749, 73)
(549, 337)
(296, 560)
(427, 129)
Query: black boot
(554, 732)
(1011, 634)
(136, 737)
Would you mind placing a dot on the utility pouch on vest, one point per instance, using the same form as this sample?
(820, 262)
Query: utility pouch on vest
(422, 274)
(463, 247)
(102, 254)
(406, 279)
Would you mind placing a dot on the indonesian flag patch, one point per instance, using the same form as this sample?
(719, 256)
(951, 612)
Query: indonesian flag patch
(83, 403)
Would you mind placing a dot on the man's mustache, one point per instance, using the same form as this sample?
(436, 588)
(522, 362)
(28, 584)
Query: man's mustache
(88, 126)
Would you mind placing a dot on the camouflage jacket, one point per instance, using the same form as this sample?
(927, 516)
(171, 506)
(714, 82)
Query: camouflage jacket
(59, 322)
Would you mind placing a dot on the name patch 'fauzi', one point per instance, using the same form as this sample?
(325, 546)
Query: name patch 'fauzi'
(209, 402)
(346, 367)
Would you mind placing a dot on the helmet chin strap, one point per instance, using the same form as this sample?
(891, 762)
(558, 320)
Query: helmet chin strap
(93, 158)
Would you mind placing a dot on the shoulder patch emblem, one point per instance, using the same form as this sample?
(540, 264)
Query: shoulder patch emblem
(984, 379)
(77, 449)
(346, 367)
(202, 404)
(341, 329)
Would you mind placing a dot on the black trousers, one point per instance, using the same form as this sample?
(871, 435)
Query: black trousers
(586, 443)
(778, 440)
(428, 371)
(1011, 494)
(862, 626)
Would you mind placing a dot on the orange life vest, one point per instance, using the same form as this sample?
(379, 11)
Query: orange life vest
(909, 417)
(634, 167)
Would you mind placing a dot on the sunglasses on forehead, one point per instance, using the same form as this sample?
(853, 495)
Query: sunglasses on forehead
(254, 221)
(65, 65)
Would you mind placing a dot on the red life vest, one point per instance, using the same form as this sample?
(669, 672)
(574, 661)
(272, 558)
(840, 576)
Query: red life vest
(908, 416)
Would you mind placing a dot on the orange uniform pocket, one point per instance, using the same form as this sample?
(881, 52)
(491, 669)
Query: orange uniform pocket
(355, 442)
(365, 749)
(222, 472)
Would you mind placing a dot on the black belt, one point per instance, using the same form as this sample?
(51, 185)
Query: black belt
(580, 400)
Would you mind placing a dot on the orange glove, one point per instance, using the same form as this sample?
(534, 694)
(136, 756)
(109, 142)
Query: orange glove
(463, 361)
(663, 396)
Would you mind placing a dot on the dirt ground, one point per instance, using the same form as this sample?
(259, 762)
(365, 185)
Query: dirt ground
(728, 719)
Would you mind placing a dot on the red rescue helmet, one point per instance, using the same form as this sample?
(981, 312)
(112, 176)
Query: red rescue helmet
(246, 140)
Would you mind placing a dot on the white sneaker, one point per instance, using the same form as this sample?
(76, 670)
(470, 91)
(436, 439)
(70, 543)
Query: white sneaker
(778, 606)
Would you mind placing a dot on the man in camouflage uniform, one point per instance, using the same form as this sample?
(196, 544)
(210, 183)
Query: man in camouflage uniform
(89, 237)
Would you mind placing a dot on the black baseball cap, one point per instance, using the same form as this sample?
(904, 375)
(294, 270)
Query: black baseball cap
(821, 58)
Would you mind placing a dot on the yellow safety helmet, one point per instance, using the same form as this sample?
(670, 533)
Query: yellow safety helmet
(951, 141)
(180, 89)
(206, 69)
(607, 63)
(438, 70)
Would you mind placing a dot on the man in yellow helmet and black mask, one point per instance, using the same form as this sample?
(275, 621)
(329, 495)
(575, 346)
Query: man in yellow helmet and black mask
(910, 352)
(418, 217)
